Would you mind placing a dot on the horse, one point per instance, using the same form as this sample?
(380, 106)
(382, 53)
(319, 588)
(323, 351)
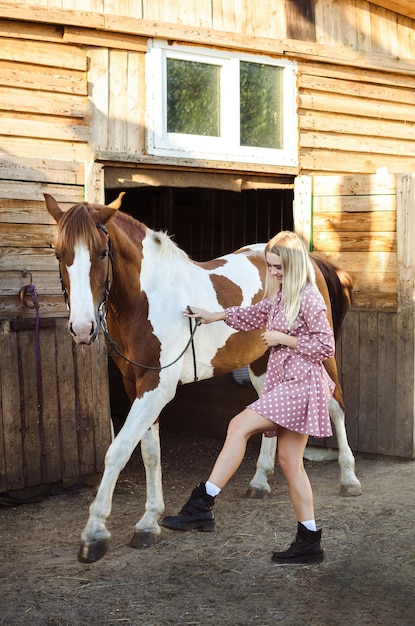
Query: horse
(119, 275)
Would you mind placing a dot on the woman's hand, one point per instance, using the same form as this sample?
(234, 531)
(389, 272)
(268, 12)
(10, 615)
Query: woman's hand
(273, 338)
(206, 317)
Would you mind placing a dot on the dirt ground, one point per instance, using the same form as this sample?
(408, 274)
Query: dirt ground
(224, 578)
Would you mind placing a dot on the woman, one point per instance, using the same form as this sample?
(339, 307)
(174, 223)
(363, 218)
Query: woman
(295, 398)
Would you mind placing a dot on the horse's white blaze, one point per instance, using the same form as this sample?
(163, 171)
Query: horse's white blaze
(82, 320)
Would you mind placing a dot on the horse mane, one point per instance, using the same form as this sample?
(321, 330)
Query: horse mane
(166, 246)
(77, 224)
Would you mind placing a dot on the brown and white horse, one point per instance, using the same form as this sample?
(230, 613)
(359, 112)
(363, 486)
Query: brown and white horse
(135, 283)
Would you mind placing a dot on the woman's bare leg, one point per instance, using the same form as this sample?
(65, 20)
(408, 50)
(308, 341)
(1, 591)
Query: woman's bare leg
(291, 446)
(240, 429)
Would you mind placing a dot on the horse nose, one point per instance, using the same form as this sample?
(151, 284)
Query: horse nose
(84, 334)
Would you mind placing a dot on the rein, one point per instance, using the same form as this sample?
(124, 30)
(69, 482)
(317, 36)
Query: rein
(103, 309)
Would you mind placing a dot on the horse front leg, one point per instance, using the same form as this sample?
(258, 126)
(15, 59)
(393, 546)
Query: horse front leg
(147, 530)
(349, 484)
(259, 486)
(95, 536)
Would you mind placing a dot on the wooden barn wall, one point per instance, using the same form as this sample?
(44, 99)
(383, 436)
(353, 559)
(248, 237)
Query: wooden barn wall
(64, 439)
(356, 221)
(67, 438)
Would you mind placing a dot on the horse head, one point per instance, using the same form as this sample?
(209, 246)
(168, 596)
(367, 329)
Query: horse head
(83, 250)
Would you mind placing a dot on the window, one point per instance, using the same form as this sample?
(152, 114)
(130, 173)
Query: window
(206, 104)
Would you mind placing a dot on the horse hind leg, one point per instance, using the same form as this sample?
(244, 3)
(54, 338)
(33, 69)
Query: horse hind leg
(147, 530)
(349, 484)
(259, 485)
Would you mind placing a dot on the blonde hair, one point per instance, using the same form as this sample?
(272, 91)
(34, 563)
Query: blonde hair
(297, 268)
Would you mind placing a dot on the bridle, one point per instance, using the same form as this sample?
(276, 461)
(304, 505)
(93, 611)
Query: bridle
(103, 310)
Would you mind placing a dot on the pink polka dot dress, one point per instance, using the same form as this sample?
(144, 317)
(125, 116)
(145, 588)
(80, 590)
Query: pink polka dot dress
(297, 388)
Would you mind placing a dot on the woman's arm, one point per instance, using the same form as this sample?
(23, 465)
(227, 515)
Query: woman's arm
(206, 317)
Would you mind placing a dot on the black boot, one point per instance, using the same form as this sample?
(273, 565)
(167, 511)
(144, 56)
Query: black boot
(196, 513)
(306, 548)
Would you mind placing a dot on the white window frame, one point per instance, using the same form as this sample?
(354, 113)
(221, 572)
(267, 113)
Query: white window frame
(226, 147)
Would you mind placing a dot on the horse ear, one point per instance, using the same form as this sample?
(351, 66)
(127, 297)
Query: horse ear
(108, 211)
(53, 207)
(116, 204)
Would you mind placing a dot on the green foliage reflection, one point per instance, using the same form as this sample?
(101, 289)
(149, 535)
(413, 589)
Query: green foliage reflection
(193, 98)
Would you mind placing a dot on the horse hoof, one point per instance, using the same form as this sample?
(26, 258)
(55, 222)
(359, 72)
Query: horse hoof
(91, 552)
(354, 489)
(256, 493)
(144, 539)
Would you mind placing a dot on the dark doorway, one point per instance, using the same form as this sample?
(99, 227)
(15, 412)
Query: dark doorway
(207, 223)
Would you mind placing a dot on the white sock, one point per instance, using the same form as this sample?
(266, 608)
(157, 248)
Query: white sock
(310, 524)
(211, 489)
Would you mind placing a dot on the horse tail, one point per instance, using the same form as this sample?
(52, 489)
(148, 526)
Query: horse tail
(340, 286)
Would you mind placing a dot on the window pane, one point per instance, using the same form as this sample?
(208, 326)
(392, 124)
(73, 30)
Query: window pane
(261, 105)
(193, 98)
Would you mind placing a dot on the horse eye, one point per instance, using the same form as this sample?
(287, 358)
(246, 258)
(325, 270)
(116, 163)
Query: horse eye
(103, 254)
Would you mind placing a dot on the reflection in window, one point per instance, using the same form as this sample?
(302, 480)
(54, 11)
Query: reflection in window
(193, 98)
(261, 105)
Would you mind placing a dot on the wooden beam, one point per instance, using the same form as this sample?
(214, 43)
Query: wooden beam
(403, 7)
(289, 48)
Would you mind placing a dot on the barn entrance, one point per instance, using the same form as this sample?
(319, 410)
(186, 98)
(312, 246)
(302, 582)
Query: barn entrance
(206, 223)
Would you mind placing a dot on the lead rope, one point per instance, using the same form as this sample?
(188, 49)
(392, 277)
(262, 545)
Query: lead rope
(114, 349)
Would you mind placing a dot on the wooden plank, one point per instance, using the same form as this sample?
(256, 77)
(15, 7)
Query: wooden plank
(367, 382)
(32, 448)
(363, 222)
(43, 53)
(293, 48)
(49, 423)
(19, 190)
(405, 331)
(56, 128)
(32, 77)
(350, 367)
(300, 20)
(386, 384)
(27, 101)
(314, 101)
(384, 25)
(356, 144)
(41, 170)
(405, 7)
(67, 405)
(345, 124)
(11, 306)
(85, 409)
(350, 76)
(34, 259)
(99, 80)
(10, 410)
(31, 148)
(302, 208)
(51, 15)
(332, 241)
(103, 39)
(375, 301)
(365, 207)
(354, 185)
(46, 282)
(379, 91)
(318, 161)
(28, 30)
(33, 235)
(136, 104)
(118, 89)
